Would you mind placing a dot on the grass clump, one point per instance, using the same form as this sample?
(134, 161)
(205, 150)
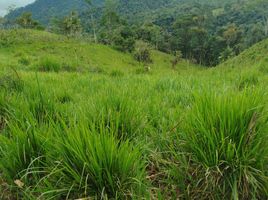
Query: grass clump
(116, 73)
(4, 112)
(263, 67)
(11, 82)
(248, 80)
(95, 163)
(49, 64)
(225, 143)
(22, 154)
(118, 111)
(24, 61)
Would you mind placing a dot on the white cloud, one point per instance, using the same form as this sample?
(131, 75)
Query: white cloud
(4, 4)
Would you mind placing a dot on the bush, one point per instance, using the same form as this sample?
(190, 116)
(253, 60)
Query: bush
(123, 44)
(49, 64)
(142, 52)
(225, 143)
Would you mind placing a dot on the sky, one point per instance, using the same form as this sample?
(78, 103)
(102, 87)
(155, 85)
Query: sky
(4, 4)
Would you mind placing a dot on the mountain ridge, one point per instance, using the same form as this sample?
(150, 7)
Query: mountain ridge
(44, 10)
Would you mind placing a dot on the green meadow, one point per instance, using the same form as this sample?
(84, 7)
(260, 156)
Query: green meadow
(84, 121)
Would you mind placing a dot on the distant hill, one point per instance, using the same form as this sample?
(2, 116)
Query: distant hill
(44, 10)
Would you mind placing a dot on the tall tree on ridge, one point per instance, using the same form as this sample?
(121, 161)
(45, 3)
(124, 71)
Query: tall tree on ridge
(92, 20)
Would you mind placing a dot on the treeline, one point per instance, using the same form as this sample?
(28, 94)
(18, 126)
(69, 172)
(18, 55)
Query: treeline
(206, 34)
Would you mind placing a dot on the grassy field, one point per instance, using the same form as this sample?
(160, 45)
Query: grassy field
(83, 121)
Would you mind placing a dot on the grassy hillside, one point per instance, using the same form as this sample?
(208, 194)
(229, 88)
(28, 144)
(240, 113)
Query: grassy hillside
(256, 56)
(34, 50)
(100, 128)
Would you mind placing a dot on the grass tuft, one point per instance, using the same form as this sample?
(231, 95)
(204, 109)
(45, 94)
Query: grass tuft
(225, 143)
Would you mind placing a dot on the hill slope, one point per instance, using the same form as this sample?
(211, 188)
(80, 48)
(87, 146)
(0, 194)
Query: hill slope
(257, 55)
(29, 50)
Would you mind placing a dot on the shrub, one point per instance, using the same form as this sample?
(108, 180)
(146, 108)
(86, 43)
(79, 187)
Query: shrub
(142, 52)
(225, 143)
(49, 64)
(176, 59)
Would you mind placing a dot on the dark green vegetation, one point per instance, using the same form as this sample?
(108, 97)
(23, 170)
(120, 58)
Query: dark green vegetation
(84, 121)
(205, 32)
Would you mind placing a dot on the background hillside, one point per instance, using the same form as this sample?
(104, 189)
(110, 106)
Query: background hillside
(204, 32)
(44, 10)
(256, 55)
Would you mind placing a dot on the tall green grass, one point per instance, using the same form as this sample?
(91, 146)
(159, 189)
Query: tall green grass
(95, 163)
(117, 134)
(225, 146)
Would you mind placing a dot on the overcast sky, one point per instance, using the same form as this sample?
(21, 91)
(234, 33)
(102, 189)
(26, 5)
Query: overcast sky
(4, 4)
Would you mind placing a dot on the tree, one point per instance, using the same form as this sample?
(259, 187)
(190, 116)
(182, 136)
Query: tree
(151, 33)
(226, 54)
(265, 25)
(114, 30)
(231, 35)
(124, 39)
(110, 18)
(92, 19)
(255, 34)
(2, 22)
(26, 21)
(182, 36)
(71, 25)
